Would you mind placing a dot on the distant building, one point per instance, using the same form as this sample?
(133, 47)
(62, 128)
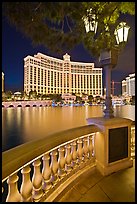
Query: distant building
(128, 85)
(48, 75)
(68, 98)
(17, 95)
(2, 82)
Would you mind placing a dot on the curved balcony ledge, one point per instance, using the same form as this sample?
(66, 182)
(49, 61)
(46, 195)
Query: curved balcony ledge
(66, 156)
(14, 159)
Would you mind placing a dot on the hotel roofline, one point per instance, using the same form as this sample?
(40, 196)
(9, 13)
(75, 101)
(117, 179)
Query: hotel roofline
(58, 60)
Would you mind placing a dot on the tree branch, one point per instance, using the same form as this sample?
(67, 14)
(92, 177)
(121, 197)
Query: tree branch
(68, 24)
(113, 12)
(62, 24)
(38, 6)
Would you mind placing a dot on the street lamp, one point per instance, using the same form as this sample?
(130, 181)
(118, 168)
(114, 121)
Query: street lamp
(121, 32)
(113, 141)
(108, 58)
(90, 21)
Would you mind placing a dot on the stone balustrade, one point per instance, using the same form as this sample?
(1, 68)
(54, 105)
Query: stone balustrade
(40, 170)
(35, 174)
(133, 141)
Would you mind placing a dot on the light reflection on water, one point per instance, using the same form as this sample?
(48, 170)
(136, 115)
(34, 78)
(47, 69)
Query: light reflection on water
(20, 125)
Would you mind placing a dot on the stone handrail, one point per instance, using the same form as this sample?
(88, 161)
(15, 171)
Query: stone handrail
(45, 164)
(30, 150)
(47, 149)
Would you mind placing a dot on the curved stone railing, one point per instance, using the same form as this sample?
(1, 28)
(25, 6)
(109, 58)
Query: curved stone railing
(133, 140)
(41, 170)
(23, 104)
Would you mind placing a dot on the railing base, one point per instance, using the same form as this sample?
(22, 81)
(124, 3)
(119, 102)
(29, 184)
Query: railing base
(63, 186)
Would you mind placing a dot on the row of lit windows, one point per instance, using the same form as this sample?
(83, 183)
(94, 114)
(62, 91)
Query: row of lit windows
(75, 83)
(60, 90)
(66, 67)
(38, 70)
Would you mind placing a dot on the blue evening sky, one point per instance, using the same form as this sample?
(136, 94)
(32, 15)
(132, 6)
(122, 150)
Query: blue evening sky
(16, 46)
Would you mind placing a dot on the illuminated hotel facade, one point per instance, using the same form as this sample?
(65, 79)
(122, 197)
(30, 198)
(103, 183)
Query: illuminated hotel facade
(48, 75)
(128, 85)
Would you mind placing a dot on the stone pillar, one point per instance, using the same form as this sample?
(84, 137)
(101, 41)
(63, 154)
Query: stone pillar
(112, 144)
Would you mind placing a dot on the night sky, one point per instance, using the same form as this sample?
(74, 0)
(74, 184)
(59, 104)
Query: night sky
(15, 47)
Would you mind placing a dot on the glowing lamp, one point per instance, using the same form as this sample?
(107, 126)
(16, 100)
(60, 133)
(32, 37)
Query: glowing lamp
(121, 32)
(89, 21)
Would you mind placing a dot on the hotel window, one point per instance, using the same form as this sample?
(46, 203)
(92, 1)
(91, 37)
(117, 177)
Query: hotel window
(64, 80)
(48, 78)
(99, 81)
(45, 76)
(61, 79)
(90, 81)
(81, 81)
(51, 78)
(41, 76)
(93, 81)
(38, 76)
(87, 82)
(67, 80)
(84, 81)
(75, 80)
(72, 80)
(55, 79)
(30, 74)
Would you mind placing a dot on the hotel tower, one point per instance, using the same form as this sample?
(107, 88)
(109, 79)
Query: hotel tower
(48, 75)
(128, 85)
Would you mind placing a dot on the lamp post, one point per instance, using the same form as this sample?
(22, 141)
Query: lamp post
(108, 58)
(113, 142)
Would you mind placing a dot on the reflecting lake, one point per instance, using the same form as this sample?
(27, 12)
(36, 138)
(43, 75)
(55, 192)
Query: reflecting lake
(21, 125)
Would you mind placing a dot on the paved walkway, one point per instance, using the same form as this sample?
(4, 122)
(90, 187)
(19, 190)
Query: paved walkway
(117, 187)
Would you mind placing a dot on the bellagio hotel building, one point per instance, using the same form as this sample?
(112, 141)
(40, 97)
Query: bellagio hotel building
(48, 75)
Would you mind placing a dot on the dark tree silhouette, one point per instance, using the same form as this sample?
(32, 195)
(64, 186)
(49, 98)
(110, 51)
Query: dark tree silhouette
(59, 26)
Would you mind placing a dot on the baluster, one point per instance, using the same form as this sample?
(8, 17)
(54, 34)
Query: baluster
(37, 181)
(46, 173)
(68, 157)
(132, 136)
(85, 148)
(2, 190)
(54, 167)
(61, 162)
(132, 142)
(90, 147)
(26, 186)
(80, 151)
(13, 193)
(74, 154)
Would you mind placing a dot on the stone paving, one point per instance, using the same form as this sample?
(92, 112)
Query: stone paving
(93, 187)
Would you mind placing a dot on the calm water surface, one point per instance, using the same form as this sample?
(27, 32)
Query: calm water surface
(21, 125)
